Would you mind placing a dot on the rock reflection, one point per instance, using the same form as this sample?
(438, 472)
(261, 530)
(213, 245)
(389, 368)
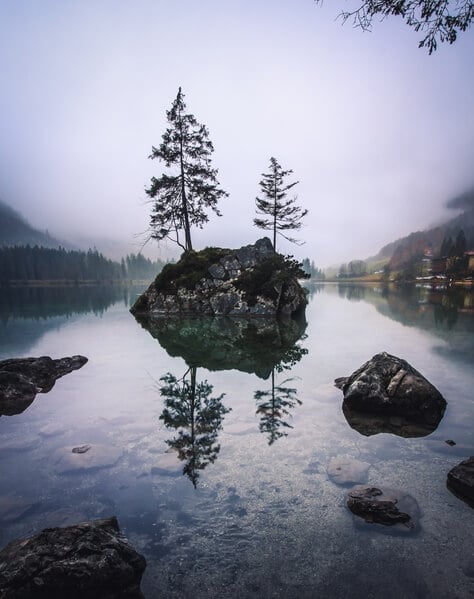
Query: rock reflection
(250, 345)
(196, 416)
(373, 424)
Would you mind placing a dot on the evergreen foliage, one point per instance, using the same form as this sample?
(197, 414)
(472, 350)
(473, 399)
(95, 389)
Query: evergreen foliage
(190, 410)
(440, 20)
(281, 214)
(312, 270)
(274, 408)
(460, 245)
(26, 263)
(182, 196)
(189, 270)
(355, 268)
(266, 278)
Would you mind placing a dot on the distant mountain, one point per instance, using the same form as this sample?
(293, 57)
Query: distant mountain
(403, 250)
(15, 230)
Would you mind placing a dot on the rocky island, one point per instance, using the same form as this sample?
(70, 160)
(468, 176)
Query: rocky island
(253, 280)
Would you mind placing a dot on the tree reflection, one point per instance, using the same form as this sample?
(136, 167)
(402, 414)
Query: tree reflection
(352, 292)
(190, 410)
(274, 405)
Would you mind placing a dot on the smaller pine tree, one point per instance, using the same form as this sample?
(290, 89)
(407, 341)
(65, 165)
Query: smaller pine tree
(280, 212)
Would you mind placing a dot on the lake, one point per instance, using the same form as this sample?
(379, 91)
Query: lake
(212, 441)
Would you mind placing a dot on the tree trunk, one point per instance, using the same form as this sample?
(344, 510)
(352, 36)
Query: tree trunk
(187, 228)
(274, 218)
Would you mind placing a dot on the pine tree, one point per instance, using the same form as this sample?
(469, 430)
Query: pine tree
(181, 197)
(460, 245)
(282, 213)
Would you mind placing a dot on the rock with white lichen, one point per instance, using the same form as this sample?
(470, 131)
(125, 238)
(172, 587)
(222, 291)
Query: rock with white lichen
(389, 386)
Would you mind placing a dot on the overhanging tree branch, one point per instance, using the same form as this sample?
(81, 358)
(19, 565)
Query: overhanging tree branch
(439, 20)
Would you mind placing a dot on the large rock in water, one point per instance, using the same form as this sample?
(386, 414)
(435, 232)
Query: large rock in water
(251, 280)
(86, 561)
(389, 386)
(22, 378)
(461, 480)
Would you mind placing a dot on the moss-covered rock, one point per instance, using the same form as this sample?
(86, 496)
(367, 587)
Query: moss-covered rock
(250, 281)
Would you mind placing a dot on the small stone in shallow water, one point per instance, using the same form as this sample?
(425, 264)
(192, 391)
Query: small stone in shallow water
(81, 449)
(98, 456)
(345, 470)
(450, 442)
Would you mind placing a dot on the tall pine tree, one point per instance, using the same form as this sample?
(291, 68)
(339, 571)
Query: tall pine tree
(182, 196)
(281, 213)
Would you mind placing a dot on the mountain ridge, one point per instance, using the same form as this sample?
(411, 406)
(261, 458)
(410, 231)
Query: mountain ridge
(404, 249)
(16, 230)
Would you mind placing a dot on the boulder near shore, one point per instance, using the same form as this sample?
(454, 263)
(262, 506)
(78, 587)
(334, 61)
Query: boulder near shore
(461, 480)
(90, 560)
(22, 378)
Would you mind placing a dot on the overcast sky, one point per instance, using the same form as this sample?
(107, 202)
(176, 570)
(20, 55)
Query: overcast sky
(379, 134)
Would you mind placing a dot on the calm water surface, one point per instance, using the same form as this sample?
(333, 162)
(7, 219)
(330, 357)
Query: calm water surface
(212, 440)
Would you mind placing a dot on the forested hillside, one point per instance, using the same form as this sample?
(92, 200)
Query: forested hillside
(402, 251)
(14, 230)
(26, 263)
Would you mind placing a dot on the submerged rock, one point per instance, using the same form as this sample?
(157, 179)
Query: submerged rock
(22, 378)
(389, 386)
(90, 560)
(344, 470)
(461, 480)
(253, 280)
(384, 506)
(86, 457)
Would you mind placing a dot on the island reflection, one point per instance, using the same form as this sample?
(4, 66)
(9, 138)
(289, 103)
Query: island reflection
(264, 347)
(255, 346)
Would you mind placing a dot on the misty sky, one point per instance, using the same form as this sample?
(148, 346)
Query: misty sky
(379, 134)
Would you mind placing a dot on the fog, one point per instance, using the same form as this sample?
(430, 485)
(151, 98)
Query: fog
(379, 134)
